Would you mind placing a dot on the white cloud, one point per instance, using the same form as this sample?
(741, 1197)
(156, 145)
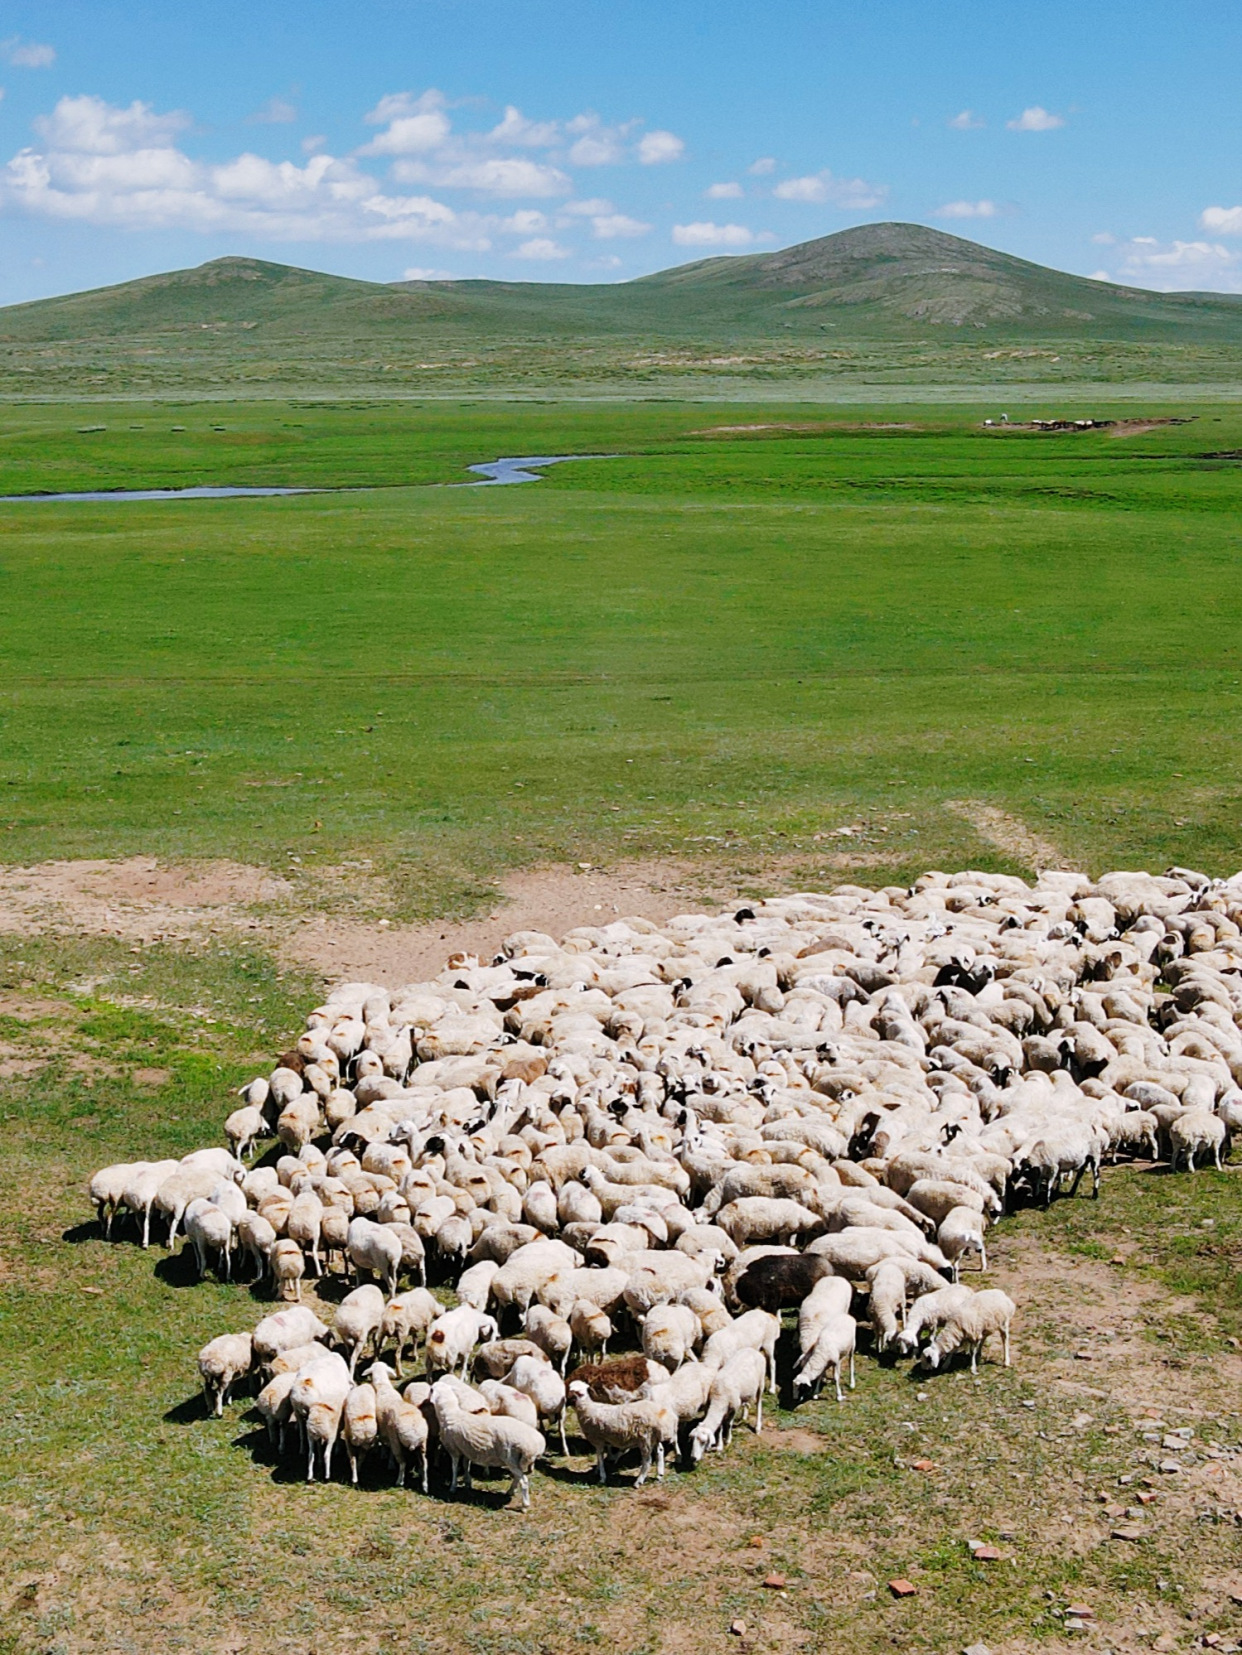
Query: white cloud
(516, 129)
(1104, 239)
(499, 175)
(607, 261)
(596, 145)
(89, 126)
(27, 54)
(541, 248)
(966, 121)
(277, 111)
(655, 148)
(426, 273)
(820, 187)
(762, 167)
(120, 167)
(610, 226)
(1224, 221)
(1099, 276)
(1035, 119)
(1178, 266)
(723, 192)
(527, 221)
(706, 234)
(591, 208)
(968, 209)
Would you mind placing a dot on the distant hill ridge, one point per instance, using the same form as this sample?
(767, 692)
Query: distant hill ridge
(877, 281)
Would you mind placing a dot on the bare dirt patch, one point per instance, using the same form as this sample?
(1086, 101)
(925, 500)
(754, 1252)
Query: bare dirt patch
(138, 899)
(1009, 834)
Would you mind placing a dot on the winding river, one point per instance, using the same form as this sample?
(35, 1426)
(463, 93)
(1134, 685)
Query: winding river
(518, 469)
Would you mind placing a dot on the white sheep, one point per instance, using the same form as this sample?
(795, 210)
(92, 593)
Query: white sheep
(374, 1248)
(318, 1400)
(735, 1389)
(552, 1333)
(961, 1234)
(358, 1320)
(209, 1230)
(1194, 1132)
(756, 1330)
(833, 1347)
(402, 1426)
(970, 1324)
(670, 1333)
(407, 1318)
(486, 1440)
(222, 1362)
(544, 1387)
(284, 1329)
(644, 1424)
(288, 1267)
(359, 1425)
(453, 1336)
(831, 1296)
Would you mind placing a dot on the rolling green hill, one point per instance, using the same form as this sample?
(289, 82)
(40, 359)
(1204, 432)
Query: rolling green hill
(879, 300)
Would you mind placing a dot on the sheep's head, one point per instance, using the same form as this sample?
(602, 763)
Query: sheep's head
(699, 1439)
(379, 1373)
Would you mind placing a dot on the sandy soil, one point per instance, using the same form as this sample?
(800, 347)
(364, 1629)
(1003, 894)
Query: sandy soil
(1009, 834)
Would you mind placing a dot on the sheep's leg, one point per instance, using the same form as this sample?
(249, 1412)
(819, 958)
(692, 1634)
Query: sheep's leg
(645, 1465)
(297, 1289)
(983, 1256)
(975, 1348)
(660, 1460)
(1095, 1180)
(836, 1375)
(310, 1458)
(759, 1412)
(353, 1462)
(1005, 1336)
(601, 1465)
(564, 1443)
(955, 1266)
(851, 1370)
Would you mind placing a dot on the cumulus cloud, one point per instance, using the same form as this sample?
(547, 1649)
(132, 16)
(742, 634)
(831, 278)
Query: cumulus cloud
(707, 234)
(121, 167)
(966, 121)
(762, 167)
(610, 226)
(968, 209)
(1104, 239)
(26, 54)
(1223, 221)
(723, 192)
(597, 145)
(1035, 119)
(655, 148)
(517, 130)
(527, 222)
(820, 187)
(541, 248)
(510, 176)
(1177, 266)
(426, 273)
(590, 208)
(277, 111)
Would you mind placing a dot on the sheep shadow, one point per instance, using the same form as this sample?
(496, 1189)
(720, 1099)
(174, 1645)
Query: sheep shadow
(189, 1411)
(178, 1269)
(90, 1230)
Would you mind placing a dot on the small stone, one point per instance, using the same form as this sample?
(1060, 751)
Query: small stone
(774, 1582)
(1083, 1356)
(1145, 1498)
(976, 1649)
(1083, 1611)
(1117, 1258)
(1175, 1439)
(1114, 1511)
(1164, 1643)
(1071, 1623)
(985, 1554)
(1170, 1467)
(1211, 1639)
(1127, 1531)
(738, 1628)
(922, 1465)
(902, 1588)
(755, 1540)
(1028, 1404)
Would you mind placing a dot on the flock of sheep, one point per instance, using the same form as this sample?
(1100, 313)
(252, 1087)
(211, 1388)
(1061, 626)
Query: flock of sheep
(663, 1136)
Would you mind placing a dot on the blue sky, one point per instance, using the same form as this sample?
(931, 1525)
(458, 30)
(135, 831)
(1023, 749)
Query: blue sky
(570, 140)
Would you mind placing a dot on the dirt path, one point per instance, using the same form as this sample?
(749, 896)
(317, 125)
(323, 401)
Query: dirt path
(1009, 834)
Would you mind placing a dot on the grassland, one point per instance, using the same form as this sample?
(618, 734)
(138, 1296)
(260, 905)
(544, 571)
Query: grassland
(720, 645)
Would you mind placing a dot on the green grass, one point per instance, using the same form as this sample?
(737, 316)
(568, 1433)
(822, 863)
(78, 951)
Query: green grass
(709, 644)
(716, 646)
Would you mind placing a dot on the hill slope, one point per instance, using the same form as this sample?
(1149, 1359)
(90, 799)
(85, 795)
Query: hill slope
(887, 299)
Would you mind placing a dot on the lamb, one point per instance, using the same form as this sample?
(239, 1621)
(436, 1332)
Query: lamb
(141, 1188)
(756, 1330)
(623, 1379)
(834, 1345)
(107, 1190)
(406, 1319)
(960, 1234)
(831, 1296)
(474, 1286)
(735, 1388)
(374, 1248)
(359, 1425)
(401, 1424)
(358, 1320)
(273, 1407)
(687, 1392)
(670, 1333)
(644, 1424)
(506, 1402)
(222, 1362)
(288, 1267)
(284, 1329)
(545, 1389)
(931, 1311)
(886, 1303)
(590, 1327)
(318, 1400)
(243, 1128)
(453, 1337)
(487, 1440)
(256, 1237)
(551, 1333)
(984, 1313)
(207, 1228)
(1194, 1131)
(304, 1223)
